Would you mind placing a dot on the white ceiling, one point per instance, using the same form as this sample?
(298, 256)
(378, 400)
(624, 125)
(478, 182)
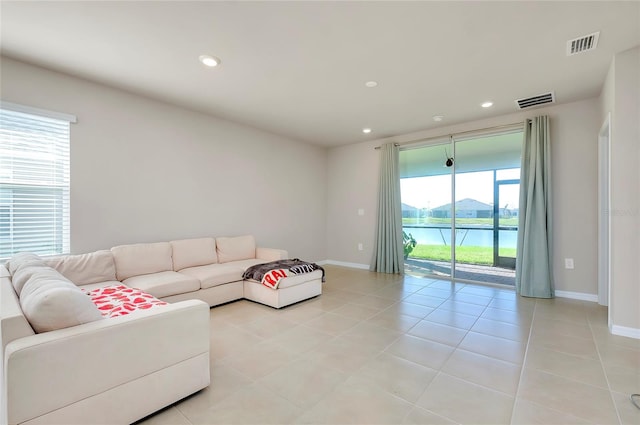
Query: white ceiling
(298, 68)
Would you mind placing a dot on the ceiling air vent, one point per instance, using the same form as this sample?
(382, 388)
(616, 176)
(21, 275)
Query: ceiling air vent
(541, 99)
(582, 44)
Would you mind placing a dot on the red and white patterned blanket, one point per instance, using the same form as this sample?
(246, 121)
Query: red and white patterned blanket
(270, 274)
(120, 300)
(272, 278)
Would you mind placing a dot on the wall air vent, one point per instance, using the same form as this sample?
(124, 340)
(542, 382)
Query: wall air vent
(541, 99)
(582, 44)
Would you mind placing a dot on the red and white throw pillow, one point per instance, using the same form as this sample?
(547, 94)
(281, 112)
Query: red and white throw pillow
(120, 300)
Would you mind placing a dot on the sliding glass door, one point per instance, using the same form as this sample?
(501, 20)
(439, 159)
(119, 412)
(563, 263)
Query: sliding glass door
(426, 187)
(460, 206)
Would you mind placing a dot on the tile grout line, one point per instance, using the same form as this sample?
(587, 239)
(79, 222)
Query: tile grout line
(537, 313)
(604, 371)
(524, 359)
(439, 370)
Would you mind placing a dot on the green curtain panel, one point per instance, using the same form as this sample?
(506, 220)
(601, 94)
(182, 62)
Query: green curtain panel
(387, 250)
(534, 267)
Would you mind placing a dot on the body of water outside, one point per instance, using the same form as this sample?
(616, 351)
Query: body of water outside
(464, 237)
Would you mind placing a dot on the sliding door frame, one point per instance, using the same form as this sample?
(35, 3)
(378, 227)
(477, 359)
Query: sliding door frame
(453, 139)
(507, 262)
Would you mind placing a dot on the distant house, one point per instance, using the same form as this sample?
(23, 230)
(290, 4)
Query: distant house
(465, 208)
(410, 212)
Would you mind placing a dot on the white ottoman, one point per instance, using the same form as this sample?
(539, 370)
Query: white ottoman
(290, 290)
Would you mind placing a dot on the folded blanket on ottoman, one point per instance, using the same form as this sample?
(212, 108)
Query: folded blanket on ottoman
(270, 274)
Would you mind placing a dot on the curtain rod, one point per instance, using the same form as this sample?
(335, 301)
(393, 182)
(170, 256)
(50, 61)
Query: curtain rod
(496, 127)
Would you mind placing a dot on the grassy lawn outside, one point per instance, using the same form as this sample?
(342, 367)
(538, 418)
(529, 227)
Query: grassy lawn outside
(464, 254)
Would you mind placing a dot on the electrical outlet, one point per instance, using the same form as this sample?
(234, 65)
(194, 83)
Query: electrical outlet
(360, 246)
(568, 263)
(361, 211)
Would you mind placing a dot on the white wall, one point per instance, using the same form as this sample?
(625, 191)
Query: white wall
(621, 97)
(143, 170)
(352, 185)
(353, 174)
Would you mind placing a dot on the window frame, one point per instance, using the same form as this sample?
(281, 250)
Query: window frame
(35, 182)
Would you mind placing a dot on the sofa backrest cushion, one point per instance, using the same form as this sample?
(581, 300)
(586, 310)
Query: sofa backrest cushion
(235, 248)
(23, 274)
(144, 258)
(51, 303)
(193, 252)
(23, 259)
(13, 324)
(84, 269)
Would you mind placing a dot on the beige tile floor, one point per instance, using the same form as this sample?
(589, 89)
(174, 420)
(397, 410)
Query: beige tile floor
(387, 349)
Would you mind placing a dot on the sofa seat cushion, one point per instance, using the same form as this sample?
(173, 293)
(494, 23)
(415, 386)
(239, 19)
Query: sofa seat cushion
(120, 300)
(163, 284)
(92, 286)
(215, 274)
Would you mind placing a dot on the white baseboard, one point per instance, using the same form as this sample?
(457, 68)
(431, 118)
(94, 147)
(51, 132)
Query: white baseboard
(625, 331)
(344, 264)
(577, 296)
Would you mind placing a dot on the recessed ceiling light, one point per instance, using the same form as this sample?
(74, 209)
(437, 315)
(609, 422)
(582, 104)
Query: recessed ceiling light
(209, 60)
(438, 118)
(487, 104)
(371, 84)
(366, 130)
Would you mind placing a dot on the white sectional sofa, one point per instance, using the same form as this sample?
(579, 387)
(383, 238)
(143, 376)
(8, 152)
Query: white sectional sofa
(208, 269)
(114, 370)
(63, 362)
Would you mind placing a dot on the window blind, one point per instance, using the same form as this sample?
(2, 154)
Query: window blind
(34, 183)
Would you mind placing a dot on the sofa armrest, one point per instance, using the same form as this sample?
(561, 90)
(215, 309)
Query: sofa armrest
(48, 371)
(13, 324)
(271, 254)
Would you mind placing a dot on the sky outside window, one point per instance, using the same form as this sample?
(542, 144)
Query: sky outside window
(434, 191)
